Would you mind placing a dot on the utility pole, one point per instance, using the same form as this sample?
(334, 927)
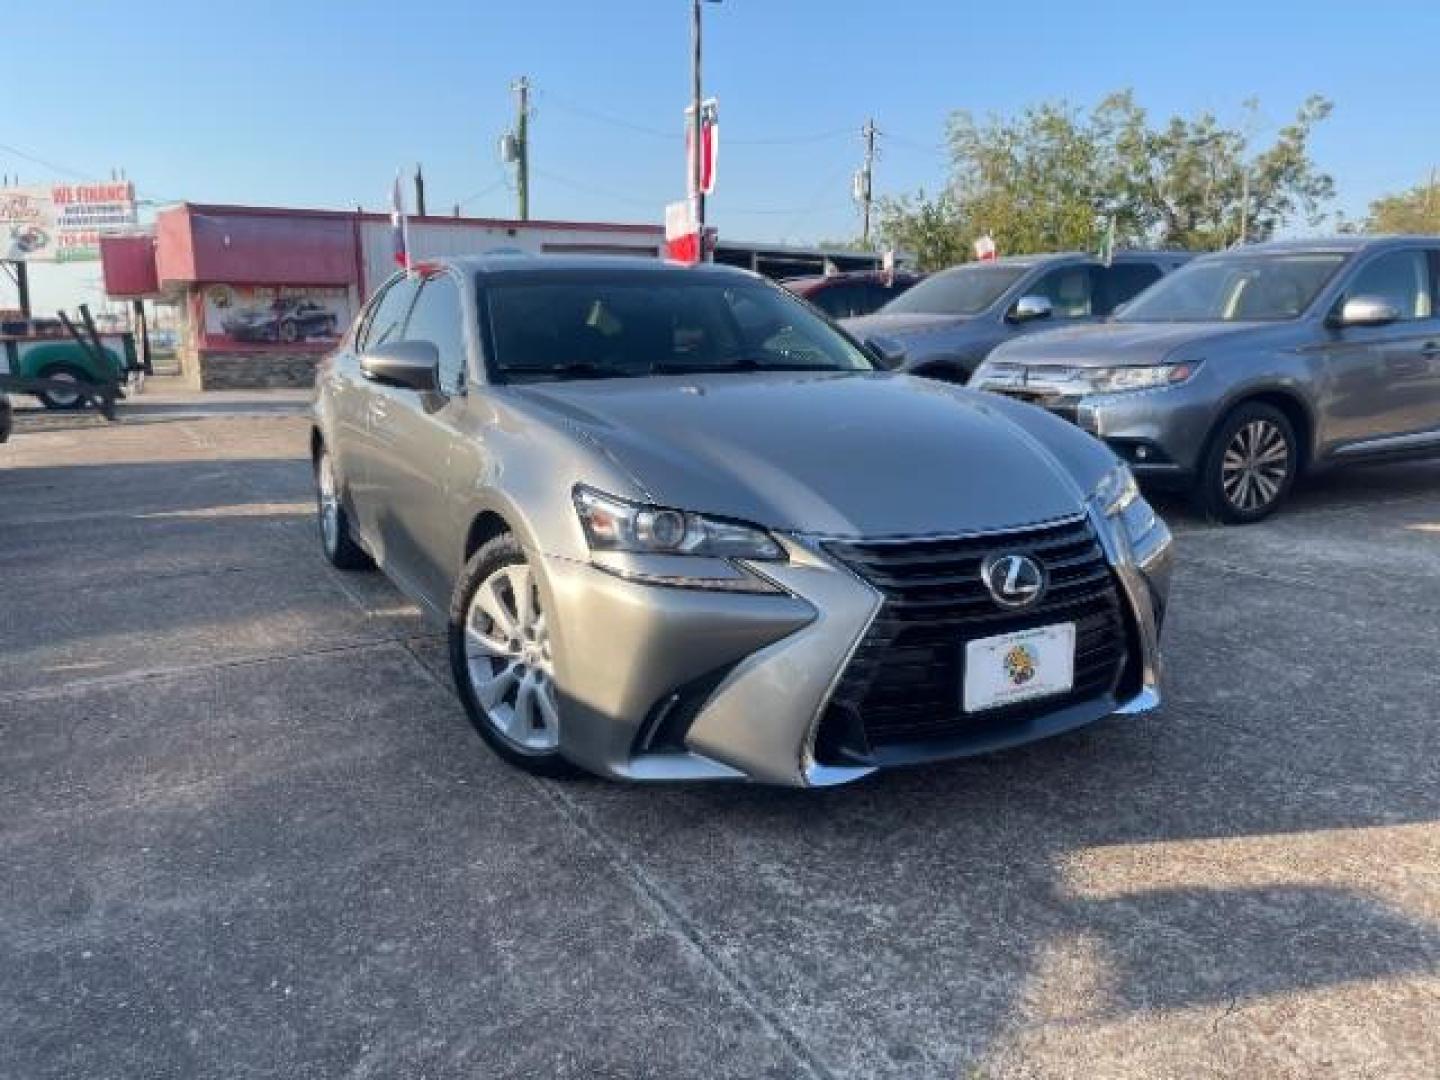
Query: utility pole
(1244, 205)
(419, 190)
(697, 150)
(867, 177)
(22, 287)
(522, 145)
(1430, 192)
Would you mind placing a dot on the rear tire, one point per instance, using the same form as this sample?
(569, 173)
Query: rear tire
(341, 550)
(64, 400)
(500, 659)
(1249, 465)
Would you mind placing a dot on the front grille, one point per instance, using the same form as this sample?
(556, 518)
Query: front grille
(903, 684)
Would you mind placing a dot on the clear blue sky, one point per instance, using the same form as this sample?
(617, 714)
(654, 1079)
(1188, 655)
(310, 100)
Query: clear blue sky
(317, 103)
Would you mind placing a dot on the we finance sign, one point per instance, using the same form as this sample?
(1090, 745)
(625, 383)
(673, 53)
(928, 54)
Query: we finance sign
(63, 222)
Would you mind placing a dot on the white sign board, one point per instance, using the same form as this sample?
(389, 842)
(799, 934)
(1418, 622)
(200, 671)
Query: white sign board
(63, 222)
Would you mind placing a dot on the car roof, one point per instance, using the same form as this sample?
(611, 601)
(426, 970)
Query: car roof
(499, 266)
(814, 280)
(1058, 258)
(1328, 245)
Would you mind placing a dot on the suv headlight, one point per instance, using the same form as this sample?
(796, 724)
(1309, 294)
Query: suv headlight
(1115, 380)
(613, 524)
(1118, 497)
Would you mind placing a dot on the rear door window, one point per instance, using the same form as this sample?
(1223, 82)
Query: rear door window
(1125, 281)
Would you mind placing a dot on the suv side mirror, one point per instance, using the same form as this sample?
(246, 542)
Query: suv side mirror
(1366, 311)
(414, 365)
(1030, 308)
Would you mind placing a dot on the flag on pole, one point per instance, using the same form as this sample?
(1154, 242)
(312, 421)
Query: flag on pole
(399, 226)
(709, 145)
(985, 248)
(1107, 242)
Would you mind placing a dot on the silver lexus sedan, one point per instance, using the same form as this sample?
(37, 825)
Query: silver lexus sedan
(679, 527)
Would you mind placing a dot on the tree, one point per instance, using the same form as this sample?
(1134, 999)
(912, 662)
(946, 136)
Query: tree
(1052, 178)
(1413, 211)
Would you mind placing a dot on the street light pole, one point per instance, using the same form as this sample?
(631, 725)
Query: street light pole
(697, 167)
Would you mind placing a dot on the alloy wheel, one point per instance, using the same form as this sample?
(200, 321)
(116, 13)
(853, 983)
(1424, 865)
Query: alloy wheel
(507, 654)
(1255, 465)
(329, 504)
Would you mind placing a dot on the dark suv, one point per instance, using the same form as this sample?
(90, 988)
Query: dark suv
(946, 325)
(844, 296)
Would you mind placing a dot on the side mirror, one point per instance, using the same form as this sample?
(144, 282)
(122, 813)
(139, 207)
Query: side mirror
(1030, 308)
(1366, 311)
(414, 365)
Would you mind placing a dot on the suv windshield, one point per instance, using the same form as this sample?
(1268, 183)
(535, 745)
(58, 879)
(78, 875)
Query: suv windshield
(1236, 288)
(967, 290)
(595, 327)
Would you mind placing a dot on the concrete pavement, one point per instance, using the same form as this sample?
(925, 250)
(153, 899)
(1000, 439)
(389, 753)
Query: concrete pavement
(245, 829)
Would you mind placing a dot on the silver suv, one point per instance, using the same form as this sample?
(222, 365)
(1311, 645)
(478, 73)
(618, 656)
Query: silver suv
(1246, 369)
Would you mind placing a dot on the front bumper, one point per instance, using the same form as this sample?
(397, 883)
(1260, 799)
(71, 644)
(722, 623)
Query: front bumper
(1159, 433)
(665, 683)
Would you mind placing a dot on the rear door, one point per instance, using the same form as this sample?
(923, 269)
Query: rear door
(416, 439)
(1383, 381)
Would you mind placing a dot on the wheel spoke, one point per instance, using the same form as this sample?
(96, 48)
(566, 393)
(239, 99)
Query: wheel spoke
(521, 589)
(493, 693)
(479, 644)
(1276, 452)
(489, 600)
(549, 712)
(1266, 487)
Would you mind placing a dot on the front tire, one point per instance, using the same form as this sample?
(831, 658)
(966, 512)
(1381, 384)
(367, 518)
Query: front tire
(1249, 466)
(501, 662)
(336, 540)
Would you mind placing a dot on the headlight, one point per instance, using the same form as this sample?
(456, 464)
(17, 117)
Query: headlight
(1114, 380)
(1118, 497)
(613, 524)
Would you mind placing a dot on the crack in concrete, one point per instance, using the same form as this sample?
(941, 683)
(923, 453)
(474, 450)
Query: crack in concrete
(670, 913)
(133, 678)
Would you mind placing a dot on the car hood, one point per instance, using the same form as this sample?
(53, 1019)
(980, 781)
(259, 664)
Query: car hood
(1119, 343)
(900, 325)
(834, 454)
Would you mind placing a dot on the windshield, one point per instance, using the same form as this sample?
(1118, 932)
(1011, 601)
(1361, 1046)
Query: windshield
(1236, 288)
(967, 290)
(594, 326)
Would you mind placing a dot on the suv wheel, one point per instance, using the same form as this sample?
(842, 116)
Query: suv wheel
(339, 545)
(501, 660)
(1249, 466)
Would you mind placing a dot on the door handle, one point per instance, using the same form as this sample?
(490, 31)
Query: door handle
(1430, 348)
(378, 409)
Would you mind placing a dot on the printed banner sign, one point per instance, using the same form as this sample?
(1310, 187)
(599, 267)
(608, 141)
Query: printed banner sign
(63, 222)
(275, 315)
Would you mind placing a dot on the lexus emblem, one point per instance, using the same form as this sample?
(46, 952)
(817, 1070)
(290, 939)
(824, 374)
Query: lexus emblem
(1014, 581)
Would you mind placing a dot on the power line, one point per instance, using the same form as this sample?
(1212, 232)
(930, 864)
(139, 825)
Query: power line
(565, 105)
